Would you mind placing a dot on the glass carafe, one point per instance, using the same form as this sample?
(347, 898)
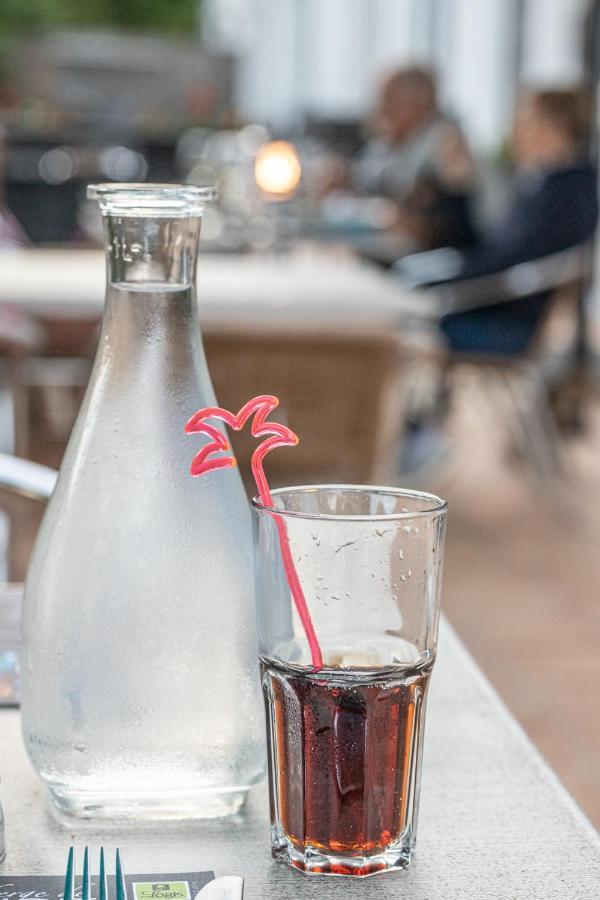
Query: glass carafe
(139, 681)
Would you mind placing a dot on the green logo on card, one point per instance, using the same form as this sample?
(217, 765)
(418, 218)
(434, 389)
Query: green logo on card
(161, 890)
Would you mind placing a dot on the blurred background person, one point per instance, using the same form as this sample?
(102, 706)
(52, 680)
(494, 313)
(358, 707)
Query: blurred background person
(11, 233)
(418, 159)
(554, 207)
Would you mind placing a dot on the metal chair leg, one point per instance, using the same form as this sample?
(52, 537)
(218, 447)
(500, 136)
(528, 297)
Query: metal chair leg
(539, 440)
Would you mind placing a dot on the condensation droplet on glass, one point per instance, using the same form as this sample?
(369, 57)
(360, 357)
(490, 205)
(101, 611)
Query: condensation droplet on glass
(401, 553)
(407, 529)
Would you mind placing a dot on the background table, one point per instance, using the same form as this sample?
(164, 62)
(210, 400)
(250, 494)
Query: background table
(256, 289)
(495, 823)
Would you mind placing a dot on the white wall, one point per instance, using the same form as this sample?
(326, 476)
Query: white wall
(324, 57)
(479, 66)
(334, 56)
(552, 42)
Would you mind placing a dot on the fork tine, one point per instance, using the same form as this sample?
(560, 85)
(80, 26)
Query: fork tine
(102, 888)
(120, 878)
(85, 883)
(69, 889)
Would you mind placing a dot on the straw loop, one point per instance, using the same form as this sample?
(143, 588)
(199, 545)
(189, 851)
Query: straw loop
(277, 435)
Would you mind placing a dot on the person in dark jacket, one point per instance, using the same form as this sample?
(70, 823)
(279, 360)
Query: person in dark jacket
(555, 207)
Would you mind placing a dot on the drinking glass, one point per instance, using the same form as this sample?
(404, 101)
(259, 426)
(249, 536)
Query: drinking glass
(345, 740)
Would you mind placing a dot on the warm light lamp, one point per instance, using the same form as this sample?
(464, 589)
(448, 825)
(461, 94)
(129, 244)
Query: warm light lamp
(277, 169)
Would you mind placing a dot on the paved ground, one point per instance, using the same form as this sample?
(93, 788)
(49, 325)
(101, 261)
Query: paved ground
(522, 587)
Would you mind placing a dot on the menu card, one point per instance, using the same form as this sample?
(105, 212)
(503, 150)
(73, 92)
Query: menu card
(178, 886)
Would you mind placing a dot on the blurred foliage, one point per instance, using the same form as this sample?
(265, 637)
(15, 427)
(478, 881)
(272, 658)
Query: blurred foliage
(23, 17)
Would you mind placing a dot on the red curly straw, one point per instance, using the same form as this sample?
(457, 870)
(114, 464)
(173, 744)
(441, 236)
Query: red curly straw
(281, 436)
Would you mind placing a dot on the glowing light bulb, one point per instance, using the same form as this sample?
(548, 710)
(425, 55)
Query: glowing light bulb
(277, 169)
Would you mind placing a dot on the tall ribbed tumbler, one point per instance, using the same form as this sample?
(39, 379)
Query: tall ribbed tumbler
(345, 741)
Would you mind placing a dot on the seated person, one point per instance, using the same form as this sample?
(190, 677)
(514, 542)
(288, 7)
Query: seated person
(419, 159)
(11, 233)
(555, 207)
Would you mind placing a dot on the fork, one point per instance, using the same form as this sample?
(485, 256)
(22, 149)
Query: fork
(69, 892)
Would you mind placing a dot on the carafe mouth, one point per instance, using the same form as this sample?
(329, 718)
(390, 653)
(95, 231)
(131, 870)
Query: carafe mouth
(146, 200)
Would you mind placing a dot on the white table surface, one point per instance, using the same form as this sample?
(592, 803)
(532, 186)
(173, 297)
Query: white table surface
(495, 822)
(313, 289)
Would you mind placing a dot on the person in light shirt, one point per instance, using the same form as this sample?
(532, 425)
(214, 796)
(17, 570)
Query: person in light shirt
(11, 233)
(419, 159)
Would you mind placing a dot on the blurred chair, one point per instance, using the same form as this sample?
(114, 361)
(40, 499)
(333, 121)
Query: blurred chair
(514, 387)
(20, 336)
(54, 381)
(39, 399)
(337, 392)
(26, 479)
(22, 485)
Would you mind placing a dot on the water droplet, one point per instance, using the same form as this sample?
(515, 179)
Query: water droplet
(347, 544)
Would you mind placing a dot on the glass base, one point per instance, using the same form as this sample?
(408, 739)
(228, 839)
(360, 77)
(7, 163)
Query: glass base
(314, 861)
(122, 807)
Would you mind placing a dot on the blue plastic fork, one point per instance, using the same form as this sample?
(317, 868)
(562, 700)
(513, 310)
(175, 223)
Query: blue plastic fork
(69, 893)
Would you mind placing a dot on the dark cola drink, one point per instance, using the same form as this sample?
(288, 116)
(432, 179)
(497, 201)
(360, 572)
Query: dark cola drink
(344, 759)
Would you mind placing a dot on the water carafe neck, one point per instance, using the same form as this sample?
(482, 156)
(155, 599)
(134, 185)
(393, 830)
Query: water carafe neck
(151, 243)
(151, 253)
(151, 233)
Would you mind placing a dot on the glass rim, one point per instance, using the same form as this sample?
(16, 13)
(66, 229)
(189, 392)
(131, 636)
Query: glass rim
(151, 198)
(440, 506)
